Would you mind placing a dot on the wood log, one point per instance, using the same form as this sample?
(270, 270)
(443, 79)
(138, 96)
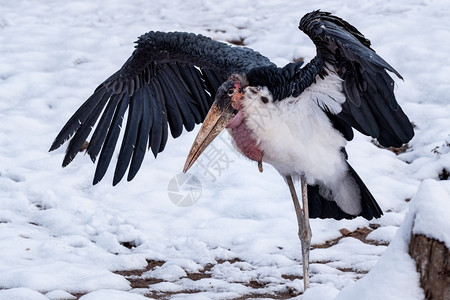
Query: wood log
(433, 264)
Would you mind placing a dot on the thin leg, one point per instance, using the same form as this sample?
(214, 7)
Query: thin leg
(304, 230)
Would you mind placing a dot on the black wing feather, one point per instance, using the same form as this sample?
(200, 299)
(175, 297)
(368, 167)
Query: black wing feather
(173, 113)
(130, 137)
(212, 80)
(142, 138)
(78, 118)
(159, 120)
(101, 130)
(371, 106)
(170, 78)
(190, 112)
(111, 139)
(82, 132)
(195, 81)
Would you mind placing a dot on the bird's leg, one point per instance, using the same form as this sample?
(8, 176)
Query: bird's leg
(304, 230)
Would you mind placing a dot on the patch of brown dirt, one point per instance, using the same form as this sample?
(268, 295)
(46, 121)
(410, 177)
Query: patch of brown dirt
(360, 234)
(238, 42)
(138, 281)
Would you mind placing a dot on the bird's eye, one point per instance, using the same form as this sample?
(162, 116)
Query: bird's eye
(264, 99)
(230, 92)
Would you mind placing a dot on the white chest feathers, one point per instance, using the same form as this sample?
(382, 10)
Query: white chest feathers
(295, 134)
(297, 137)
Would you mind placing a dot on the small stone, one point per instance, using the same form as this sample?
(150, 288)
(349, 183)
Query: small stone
(84, 146)
(374, 226)
(345, 231)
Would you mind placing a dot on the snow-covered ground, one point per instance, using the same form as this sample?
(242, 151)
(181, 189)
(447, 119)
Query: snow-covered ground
(60, 236)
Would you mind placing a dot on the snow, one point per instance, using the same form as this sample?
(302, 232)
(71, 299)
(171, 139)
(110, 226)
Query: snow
(21, 294)
(112, 295)
(383, 234)
(432, 195)
(61, 236)
(394, 276)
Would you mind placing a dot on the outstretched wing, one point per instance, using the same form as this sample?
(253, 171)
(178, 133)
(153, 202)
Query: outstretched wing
(170, 79)
(348, 78)
(370, 104)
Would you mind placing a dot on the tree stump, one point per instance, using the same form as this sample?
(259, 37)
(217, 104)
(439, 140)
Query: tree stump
(433, 264)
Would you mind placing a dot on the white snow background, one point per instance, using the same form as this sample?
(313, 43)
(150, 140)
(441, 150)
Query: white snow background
(59, 235)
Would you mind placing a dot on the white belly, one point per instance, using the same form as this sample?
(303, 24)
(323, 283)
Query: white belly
(296, 137)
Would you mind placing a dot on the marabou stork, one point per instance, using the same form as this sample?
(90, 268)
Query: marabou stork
(181, 79)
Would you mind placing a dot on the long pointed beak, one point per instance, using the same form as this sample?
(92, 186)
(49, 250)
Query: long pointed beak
(216, 120)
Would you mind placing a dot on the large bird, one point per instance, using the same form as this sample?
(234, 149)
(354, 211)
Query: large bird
(305, 115)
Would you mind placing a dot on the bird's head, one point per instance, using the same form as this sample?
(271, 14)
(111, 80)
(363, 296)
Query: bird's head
(231, 91)
(223, 113)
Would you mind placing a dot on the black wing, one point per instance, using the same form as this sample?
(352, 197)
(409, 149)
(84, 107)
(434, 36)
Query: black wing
(171, 78)
(369, 105)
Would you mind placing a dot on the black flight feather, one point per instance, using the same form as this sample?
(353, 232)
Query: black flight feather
(370, 105)
(171, 78)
